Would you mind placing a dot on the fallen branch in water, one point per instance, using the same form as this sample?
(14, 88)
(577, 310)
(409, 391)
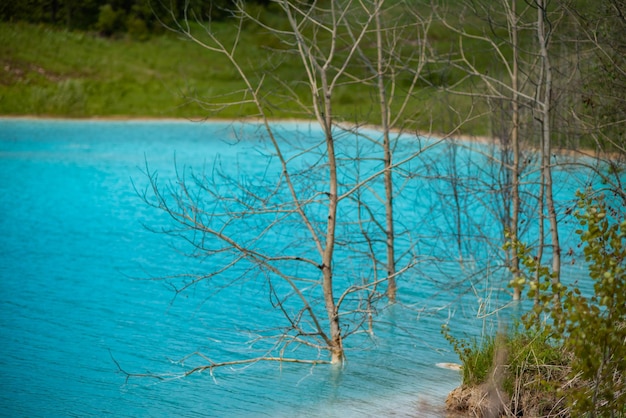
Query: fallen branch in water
(212, 365)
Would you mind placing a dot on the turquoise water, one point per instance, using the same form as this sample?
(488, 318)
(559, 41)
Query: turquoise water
(76, 291)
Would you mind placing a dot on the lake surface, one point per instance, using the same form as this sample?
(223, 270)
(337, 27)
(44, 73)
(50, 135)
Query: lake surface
(76, 262)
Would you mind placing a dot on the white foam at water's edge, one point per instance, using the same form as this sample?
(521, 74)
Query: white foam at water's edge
(450, 366)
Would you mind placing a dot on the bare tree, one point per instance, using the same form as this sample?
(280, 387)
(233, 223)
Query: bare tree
(592, 120)
(399, 56)
(544, 103)
(308, 186)
(507, 95)
(525, 86)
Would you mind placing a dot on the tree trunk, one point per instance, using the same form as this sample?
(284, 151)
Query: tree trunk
(546, 105)
(325, 119)
(388, 175)
(336, 347)
(517, 292)
(54, 8)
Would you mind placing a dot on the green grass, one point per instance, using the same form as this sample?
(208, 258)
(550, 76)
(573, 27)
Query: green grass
(531, 368)
(54, 72)
(47, 71)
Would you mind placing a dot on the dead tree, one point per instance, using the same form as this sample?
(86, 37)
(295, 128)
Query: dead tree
(305, 188)
(525, 88)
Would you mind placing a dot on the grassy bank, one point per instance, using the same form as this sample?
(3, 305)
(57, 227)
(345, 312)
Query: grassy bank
(520, 374)
(46, 71)
(49, 71)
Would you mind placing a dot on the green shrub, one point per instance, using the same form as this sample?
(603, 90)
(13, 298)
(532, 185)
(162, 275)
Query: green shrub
(137, 28)
(569, 359)
(110, 21)
(592, 328)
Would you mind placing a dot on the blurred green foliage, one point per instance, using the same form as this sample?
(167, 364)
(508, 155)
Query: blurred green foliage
(115, 16)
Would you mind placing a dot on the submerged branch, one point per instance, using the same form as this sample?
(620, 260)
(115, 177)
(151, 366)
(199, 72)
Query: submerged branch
(212, 365)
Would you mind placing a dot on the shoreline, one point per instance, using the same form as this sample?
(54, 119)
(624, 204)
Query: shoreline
(344, 125)
(476, 139)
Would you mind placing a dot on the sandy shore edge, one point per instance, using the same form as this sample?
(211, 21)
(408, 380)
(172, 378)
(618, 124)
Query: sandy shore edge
(459, 137)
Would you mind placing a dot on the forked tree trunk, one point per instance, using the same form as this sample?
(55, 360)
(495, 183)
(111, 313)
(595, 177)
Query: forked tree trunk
(545, 103)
